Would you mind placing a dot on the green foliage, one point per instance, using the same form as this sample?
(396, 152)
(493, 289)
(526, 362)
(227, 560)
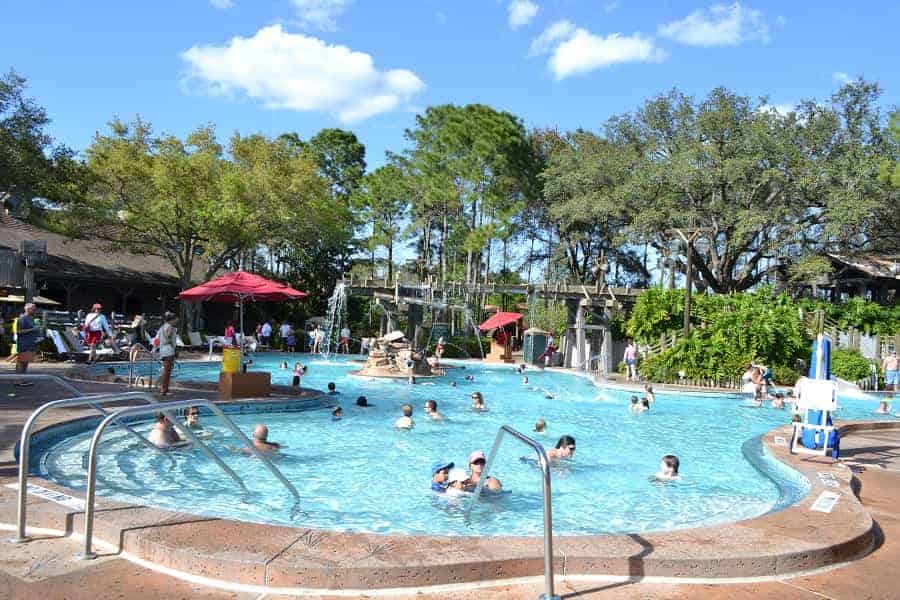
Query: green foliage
(869, 317)
(784, 375)
(849, 365)
(656, 312)
(341, 158)
(548, 316)
(729, 332)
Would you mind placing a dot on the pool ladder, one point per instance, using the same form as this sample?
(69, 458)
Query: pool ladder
(118, 417)
(544, 463)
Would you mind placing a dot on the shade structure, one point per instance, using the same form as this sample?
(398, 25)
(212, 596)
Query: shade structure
(500, 320)
(241, 287)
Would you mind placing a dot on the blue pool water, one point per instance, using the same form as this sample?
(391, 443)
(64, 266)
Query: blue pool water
(359, 474)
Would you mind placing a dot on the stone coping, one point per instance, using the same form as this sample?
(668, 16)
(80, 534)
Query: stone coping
(778, 544)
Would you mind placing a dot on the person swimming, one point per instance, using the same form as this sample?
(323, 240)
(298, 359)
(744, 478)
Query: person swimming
(406, 421)
(439, 471)
(469, 378)
(565, 448)
(452, 383)
(299, 371)
(636, 405)
(648, 393)
(261, 439)
(337, 413)
(332, 389)
(192, 418)
(163, 434)
(540, 426)
(548, 394)
(778, 400)
(457, 482)
(431, 410)
(478, 404)
(363, 402)
(284, 365)
(645, 404)
(525, 380)
(477, 462)
(668, 468)
(411, 380)
(883, 408)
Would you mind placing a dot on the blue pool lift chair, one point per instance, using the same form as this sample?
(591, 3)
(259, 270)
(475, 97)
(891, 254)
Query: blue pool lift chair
(815, 433)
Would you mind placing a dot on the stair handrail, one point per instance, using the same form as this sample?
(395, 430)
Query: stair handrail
(544, 462)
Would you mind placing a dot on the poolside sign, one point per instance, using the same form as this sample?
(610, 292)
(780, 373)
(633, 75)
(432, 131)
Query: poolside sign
(825, 502)
(47, 494)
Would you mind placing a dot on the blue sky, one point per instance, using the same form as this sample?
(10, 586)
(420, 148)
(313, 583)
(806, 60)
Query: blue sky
(301, 65)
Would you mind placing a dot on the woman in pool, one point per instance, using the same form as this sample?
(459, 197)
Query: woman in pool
(565, 448)
(476, 467)
(883, 408)
(478, 404)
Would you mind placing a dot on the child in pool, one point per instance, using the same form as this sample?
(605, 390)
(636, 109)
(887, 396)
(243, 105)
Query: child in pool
(648, 393)
(406, 421)
(645, 404)
(299, 371)
(332, 389)
(457, 482)
(668, 468)
(337, 414)
(284, 365)
(778, 401)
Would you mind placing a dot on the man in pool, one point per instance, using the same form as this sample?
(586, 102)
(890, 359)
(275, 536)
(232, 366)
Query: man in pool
(668, 467)
(476, 467)
(778, 401)
(431, 410)
(439, 471)
(261, 439)
(163, 435)
(363, 402)
(332, 389)
(540, 426)
(406, 421)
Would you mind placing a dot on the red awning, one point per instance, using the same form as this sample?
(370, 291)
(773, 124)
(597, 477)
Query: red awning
(241, 286)
(499, 320)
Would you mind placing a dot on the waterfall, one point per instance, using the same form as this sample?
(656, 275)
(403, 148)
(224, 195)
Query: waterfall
(337, 315)
(470, 323)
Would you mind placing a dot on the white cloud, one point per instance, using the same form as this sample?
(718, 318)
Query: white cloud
(293, 71)
(575, 50)
(719, 25)
(783, 109)
(549, 37)
(522, 12)
(221, 4)
(585, 51)
(841, 77)
(320, 14)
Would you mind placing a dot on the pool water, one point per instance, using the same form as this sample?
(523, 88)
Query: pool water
(360, 474)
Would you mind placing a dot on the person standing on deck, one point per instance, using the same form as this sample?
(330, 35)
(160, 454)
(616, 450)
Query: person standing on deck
(26, 338)
(95, 328)
(630, 358)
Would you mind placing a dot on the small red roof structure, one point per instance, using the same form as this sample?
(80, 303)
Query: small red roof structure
(241, 286)
(499, 320)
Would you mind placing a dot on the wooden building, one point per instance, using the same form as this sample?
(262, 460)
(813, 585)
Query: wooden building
(874, 277)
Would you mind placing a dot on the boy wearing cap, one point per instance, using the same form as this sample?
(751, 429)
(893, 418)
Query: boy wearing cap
(439, 471)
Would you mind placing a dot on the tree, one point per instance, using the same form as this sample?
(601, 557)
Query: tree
(30, 166)
(341, 158)
(384, 200)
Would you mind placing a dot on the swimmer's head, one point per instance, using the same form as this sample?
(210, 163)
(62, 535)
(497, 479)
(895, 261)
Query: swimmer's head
(566, 443)
(260, 433)
(337, 412)
(477, 460)
(331, 386)
(430, 406)
(477, 399)
(670, 464)
(160, 417)
(525, 380)
(634, 400)
(645, 402)
(452, 384)
(540, 425)
(407, 410)
(362, 401)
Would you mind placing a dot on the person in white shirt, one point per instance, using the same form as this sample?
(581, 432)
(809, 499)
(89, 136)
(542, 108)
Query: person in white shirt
(345, 340)
(167, 343)
(315, 339)
(265, 334)
(285, 330)
(95, 328)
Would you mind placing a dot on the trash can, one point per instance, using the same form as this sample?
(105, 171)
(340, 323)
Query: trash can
(231, 359)
(534, 344)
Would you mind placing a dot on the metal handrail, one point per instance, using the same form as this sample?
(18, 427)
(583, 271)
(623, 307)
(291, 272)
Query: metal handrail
(545, 491)
(94, 401)
(140, 410)
(135, 359)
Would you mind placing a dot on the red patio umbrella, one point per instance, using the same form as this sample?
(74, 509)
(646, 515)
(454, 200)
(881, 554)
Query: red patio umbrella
(501, 319)
(241, 286)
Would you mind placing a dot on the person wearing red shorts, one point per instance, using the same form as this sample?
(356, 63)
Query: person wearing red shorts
(96, 327)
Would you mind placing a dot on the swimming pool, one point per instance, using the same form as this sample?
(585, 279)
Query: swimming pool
(359, 474)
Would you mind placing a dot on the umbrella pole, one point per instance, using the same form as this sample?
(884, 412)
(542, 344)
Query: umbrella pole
(241, 345)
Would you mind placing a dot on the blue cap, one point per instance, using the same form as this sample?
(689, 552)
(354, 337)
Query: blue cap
(440, 465)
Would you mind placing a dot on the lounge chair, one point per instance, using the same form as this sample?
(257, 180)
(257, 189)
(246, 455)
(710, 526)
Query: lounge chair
(816, 433)
(80, 352)
(195, 340)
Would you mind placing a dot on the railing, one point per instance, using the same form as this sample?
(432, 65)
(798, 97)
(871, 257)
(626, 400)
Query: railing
(134, 359)
(94, 401)
(545, 491)
(141, 410)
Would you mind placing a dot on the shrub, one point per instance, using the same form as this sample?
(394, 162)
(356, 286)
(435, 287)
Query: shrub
(849, 365)
(785, 375)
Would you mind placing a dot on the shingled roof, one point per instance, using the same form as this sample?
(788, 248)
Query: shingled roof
(86, 260)
(874, 265)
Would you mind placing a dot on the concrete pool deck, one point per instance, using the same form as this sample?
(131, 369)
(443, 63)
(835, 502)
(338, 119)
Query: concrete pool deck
(791, 541)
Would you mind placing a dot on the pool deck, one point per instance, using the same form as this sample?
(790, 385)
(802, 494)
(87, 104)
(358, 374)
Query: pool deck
(262, 558)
